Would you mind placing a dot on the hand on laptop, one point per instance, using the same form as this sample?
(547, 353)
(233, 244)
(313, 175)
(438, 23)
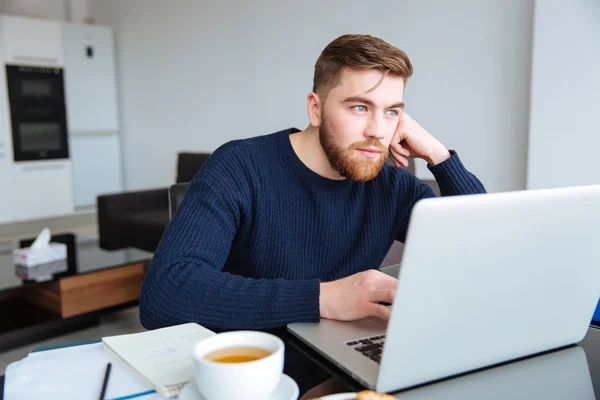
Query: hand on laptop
(357, 296)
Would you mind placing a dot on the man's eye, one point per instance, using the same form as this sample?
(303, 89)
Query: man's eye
(393, 113)
(360, 108)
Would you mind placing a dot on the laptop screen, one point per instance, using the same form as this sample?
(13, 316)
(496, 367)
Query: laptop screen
(596, 317)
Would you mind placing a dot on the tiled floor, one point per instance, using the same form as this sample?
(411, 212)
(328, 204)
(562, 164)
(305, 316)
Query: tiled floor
(121, 322)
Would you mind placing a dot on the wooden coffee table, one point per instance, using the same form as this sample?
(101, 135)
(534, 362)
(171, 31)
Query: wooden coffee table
(37, 303)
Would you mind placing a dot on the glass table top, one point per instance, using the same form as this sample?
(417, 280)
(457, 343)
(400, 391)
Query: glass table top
(83, 255)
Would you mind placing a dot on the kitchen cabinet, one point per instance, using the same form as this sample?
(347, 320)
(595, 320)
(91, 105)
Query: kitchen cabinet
(32, 41)
(92, 112)
(43, 189)
(6, 183)
(6, 158)
(90, 79)
(96, 167)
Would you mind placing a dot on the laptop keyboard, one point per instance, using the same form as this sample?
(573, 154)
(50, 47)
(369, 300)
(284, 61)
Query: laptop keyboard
(371, 347)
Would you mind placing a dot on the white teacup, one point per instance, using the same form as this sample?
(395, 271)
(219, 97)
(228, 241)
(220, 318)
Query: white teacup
(251, 380)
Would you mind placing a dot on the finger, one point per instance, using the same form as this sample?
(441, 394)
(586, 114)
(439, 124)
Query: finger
(396, 137)
(394, 157)
(401, 118)
(399, 160)
(383, 295)
(399, 149)
(399, 153)
(400, 135)
(377, 310)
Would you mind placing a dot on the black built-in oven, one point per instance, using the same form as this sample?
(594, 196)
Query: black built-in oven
(37, 110)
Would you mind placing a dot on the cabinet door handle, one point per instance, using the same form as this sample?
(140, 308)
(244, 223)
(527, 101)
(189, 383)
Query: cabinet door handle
(36, 59)
(42, 167)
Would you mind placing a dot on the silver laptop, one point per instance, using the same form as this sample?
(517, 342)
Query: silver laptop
(484, 279)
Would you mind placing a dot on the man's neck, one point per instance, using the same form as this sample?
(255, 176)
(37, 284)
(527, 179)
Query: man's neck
(308, 148)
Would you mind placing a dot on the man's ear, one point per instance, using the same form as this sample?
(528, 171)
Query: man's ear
(314, 108)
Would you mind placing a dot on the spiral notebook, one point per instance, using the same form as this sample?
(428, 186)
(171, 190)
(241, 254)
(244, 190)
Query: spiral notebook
(162, 357)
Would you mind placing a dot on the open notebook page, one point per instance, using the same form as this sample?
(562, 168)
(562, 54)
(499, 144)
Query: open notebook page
(162, 357)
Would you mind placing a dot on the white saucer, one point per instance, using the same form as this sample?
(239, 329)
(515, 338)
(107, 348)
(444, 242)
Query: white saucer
(340, 396)
(286, 390)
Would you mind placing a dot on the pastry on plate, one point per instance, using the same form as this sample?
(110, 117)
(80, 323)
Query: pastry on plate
(371, 395)
(363, 395)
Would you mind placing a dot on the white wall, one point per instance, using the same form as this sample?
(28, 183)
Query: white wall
(195, 74)
(565, 94)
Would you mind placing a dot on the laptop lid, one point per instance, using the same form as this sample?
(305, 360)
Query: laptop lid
(596, 317)
(490, 278)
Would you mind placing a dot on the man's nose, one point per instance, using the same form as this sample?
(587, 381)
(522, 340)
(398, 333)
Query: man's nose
(375, 128)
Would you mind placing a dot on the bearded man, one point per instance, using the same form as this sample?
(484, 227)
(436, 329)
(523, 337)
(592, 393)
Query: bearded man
(292, 226)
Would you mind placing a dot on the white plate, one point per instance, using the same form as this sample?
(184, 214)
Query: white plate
(286, 390)
(340, 396)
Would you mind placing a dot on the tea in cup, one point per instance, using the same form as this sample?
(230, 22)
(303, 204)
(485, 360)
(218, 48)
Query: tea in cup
(238, 365)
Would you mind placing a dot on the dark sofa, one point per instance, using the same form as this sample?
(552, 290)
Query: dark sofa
(138, 219)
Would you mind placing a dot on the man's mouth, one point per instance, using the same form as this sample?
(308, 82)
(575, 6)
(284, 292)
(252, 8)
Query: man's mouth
(370, 152)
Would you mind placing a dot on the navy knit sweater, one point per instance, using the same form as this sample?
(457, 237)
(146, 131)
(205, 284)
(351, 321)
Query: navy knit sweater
(258, 231)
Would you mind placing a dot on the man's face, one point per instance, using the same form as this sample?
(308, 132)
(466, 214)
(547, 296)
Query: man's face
(357, 127)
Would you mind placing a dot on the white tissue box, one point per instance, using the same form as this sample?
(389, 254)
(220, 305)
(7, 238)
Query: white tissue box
(41, 272)
(29, 257)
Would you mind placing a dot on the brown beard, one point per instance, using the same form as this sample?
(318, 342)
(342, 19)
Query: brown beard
(348, 162)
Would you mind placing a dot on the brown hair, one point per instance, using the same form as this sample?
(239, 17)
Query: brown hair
(359, 52)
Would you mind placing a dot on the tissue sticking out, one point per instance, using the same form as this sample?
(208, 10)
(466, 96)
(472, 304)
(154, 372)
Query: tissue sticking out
(41, 251)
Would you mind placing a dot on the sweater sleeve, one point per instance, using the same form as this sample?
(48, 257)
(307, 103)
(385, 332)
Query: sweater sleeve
(453, 179)
(186, 282)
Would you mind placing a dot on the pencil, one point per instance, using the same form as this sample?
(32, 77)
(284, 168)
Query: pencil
(105, 383)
